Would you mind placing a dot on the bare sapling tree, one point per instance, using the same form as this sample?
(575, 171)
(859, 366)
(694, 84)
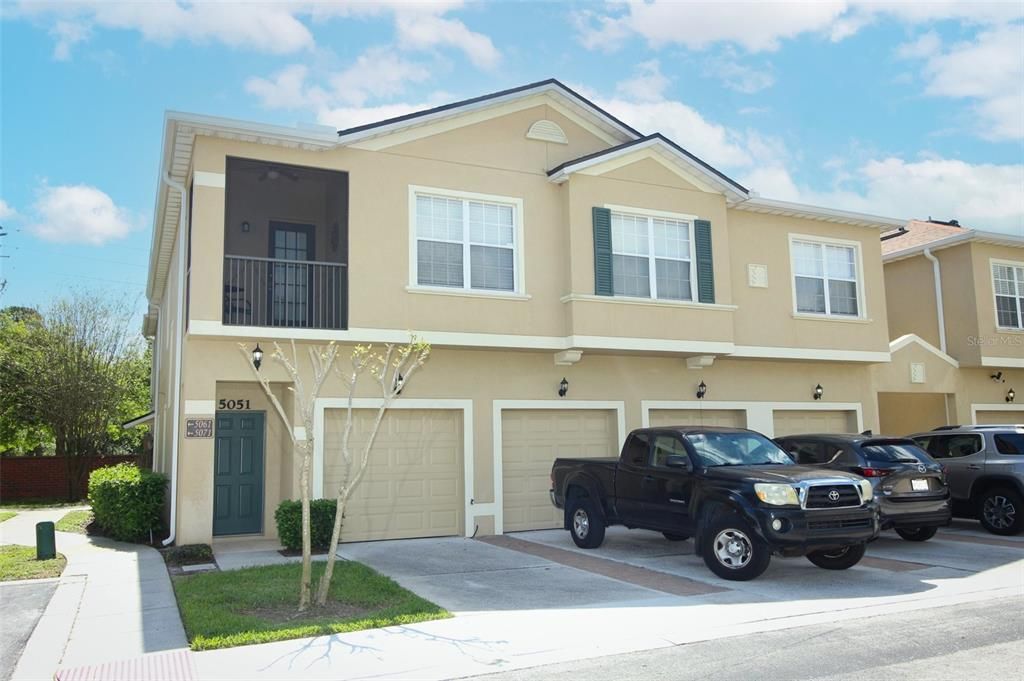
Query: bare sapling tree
(321, 360)
(392, 370)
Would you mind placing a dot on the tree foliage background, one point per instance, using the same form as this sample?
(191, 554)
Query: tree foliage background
(70, 376)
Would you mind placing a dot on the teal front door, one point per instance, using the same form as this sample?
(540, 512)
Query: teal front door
(238, 473)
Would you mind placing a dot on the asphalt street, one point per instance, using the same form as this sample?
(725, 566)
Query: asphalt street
(981, 640)
(22, 605)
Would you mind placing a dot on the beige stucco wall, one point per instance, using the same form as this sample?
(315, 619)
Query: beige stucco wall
(494, 158)
(902, 414)
(991, 341)
(968, 302)
(766, 315)
(910, 299)
(215, 369)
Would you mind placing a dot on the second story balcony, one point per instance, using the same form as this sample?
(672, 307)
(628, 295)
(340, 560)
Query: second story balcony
(285, 246)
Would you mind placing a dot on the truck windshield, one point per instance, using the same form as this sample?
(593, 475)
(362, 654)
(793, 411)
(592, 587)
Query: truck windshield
(737, 449)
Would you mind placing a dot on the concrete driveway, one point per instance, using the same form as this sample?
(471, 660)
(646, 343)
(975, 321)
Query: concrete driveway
(533, 598)
(24, 603)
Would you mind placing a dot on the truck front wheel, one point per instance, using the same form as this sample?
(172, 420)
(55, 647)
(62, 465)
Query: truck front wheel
(842, 558)
(585, 523)
(732, 550)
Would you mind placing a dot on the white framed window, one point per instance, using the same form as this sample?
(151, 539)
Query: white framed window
(652, 255)
(826, 277)
(465, 241)
(1008, 285)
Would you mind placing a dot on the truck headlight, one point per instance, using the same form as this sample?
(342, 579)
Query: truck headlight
(867, 492)
(776, 494)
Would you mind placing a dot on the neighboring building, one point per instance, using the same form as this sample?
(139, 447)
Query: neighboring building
(955, 299)
(529, 236)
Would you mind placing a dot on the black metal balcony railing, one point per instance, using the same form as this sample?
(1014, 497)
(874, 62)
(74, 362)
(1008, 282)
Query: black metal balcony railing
(285, 293)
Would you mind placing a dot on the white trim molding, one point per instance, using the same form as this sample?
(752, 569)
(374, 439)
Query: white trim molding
(204, 178)
(760, 415)
(823, 241)
(1003, 362)
(470, 510)
(653, 302)
(913, 339)
(498, 406)
(211, 328)
(1001, 406)
(518, 245)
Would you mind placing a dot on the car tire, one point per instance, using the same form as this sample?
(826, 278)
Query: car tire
(838, 559)
(672, 536)
(917, 533)
(732, 550)
(585, 523)
(1001, 511)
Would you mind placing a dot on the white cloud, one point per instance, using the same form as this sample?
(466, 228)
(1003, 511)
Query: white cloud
(424, 31)
(983, 196)
(988, 70)
(648, 85)
(696, 25)
(80, 214)
(271, 27)
(377, 73)
(286, 89)
(343, 117)
(733, 74)
(6, 210)
(762, 26)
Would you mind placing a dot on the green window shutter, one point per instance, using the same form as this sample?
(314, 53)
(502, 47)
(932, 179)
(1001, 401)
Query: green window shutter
(603, 252)
(705, 261)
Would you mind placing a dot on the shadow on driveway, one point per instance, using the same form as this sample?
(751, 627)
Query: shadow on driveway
(24, 604)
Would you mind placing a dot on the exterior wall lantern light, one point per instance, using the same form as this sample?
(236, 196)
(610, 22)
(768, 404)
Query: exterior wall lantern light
(257, 357)
(1010, 395)
(563, 388)
(702, 390)
(818, 391)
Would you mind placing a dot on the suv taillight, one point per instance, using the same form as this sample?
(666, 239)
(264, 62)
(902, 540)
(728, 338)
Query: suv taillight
(873, 472)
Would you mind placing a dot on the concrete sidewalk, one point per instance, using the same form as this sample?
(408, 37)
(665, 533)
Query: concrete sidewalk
(114, 601)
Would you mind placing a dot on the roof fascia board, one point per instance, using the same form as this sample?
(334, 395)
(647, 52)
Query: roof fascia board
(613, 164)
(756, 204)
(256, 132)
(561, 173)
(386, 126)
(416, 130)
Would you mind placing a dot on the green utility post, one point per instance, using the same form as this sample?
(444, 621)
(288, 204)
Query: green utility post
(46, 542)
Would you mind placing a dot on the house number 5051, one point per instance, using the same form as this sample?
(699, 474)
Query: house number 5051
(233, 404)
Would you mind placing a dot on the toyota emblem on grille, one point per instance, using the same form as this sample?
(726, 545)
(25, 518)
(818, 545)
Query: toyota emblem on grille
(921, 468)
(833, 496)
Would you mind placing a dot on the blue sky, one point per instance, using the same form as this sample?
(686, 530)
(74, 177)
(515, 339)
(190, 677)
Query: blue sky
(900, 109)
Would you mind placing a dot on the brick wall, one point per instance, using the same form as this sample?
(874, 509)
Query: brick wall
(46, 477)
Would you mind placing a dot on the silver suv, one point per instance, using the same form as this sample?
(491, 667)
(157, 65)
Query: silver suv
(985, 469)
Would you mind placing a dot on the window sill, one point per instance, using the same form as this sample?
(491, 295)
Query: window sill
(654, 302)
(1008, 329)
(830, 318)
(466, 293)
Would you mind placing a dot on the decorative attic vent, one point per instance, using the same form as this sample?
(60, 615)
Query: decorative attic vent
(547, 131)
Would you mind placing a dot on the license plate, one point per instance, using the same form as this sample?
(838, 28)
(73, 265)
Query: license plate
(919, 485)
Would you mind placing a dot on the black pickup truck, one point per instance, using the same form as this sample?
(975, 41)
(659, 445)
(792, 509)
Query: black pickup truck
(734, 491)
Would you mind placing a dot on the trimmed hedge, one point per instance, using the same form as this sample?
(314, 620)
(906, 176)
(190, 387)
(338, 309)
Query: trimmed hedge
(127, 501)
(321, 523)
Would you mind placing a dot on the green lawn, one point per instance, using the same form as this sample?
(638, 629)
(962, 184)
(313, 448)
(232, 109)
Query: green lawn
(19, 562)
(74, 521)
(6, 515)
(259, 605)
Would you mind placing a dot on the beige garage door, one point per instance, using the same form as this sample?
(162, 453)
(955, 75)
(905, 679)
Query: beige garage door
(733, 418)
(789, 422)
(413, 484)
(530, 442)
(999, 417)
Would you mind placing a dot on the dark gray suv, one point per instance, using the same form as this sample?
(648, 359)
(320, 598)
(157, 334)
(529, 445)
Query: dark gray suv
(985, 469)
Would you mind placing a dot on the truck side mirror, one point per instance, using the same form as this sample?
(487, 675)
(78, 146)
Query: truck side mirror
(678, 461)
